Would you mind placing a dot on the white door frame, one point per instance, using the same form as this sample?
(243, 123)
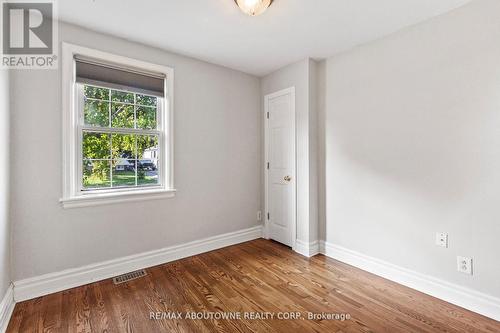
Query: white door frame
(290, 91)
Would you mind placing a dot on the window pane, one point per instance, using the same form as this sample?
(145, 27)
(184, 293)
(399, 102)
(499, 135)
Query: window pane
(124, 146)
(147, 164)
(123, 172)
(114, 160)
(146, 117)
(147, 147)
(96, 174)
(95, 92)
(122, 115)
(147, 172)
(96, 113)
(122, 96)
(146, 100)
(96, 145)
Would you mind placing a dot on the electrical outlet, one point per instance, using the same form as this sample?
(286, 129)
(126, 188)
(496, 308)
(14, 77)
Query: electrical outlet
(259, 215)
(464, 265)
(442, 239)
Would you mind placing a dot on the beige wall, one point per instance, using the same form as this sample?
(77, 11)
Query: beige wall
(217, 163)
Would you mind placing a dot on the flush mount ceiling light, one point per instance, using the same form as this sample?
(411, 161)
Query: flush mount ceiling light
(253, 7)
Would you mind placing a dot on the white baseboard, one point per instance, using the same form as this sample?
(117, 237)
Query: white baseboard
(70, 278)
(49, 283)
(464, 297)
(307, 249)
(6, 308)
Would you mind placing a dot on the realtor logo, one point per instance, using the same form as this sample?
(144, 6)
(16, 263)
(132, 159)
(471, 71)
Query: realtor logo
(28, 35)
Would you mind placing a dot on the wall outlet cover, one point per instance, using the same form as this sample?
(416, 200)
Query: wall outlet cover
(442, 239)
(464, 265)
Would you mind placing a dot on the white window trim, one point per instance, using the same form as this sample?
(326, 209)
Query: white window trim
(72, 195)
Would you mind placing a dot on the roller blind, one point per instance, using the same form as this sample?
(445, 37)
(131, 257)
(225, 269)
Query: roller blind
(90, 71)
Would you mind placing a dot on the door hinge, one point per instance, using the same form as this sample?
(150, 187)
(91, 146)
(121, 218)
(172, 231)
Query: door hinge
(267, 165)
(268, 216)
(267, 115)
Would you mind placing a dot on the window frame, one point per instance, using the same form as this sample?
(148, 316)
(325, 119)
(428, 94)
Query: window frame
(73, 193)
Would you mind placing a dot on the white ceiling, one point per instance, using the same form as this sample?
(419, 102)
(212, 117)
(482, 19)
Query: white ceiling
(217, 32)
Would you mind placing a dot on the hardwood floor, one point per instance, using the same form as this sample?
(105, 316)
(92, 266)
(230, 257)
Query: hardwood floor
(258, 276)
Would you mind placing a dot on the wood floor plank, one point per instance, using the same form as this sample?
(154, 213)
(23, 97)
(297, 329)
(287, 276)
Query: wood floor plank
(254, 277)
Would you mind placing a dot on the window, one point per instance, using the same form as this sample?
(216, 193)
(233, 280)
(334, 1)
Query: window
(120, 138)
(117, 128)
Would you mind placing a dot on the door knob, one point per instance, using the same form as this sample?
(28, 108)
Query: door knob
(287, 178)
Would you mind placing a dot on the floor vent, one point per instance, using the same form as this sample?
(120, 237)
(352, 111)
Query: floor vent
(129, 276)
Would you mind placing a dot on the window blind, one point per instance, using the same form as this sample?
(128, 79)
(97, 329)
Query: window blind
(95, 72)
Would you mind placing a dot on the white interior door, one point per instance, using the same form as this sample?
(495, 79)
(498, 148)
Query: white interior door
(280, 166)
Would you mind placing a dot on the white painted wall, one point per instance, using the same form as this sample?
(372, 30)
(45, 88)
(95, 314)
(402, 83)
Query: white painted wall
(412, 146)
(217, 162)
(302, 76)
(5, 268)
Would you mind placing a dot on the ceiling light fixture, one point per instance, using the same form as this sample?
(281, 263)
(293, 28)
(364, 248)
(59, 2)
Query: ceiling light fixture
(253, 7)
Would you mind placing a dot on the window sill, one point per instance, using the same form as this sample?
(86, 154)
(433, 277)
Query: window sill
(99, 199)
